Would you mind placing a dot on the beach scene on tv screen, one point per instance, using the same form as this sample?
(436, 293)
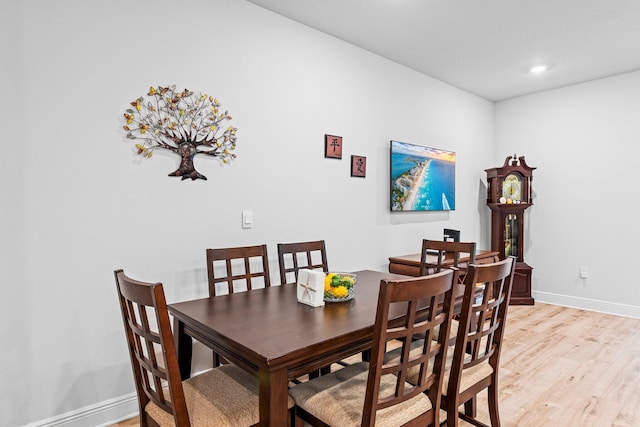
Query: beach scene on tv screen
(422, 178)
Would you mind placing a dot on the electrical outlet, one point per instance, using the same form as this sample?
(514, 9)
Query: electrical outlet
(584, 272)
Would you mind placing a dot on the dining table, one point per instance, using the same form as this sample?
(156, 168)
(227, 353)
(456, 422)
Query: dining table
(410, 264)
(269, 333)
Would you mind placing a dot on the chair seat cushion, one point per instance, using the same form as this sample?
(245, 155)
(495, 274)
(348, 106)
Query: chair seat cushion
(224, 396)
(470, 376)
(338, 398)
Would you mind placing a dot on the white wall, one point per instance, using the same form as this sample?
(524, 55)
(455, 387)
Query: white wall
(77, 202)
(585, 142)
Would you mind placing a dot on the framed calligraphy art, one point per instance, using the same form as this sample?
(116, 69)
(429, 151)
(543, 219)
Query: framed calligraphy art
(333, 146)
(359, 166)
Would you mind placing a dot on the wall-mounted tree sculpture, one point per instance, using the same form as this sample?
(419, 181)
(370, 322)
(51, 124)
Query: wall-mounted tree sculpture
(182, 122)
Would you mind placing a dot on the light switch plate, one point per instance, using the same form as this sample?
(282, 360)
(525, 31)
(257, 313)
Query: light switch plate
(247, 218)
(584, 273)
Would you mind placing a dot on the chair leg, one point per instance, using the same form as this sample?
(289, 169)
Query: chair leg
(470, 407)
(292, 417)
(219, 360)
(452, 413)
(316, 373)
(494, 414)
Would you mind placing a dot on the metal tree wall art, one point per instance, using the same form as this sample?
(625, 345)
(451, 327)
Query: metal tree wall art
(182, 122)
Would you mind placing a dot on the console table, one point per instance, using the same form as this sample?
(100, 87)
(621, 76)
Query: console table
(409, 265)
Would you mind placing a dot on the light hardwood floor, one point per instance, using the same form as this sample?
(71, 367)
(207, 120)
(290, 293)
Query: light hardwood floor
(564, 367)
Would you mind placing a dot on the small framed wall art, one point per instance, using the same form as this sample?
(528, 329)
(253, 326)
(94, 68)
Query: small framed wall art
(359, 166)
(333, 146)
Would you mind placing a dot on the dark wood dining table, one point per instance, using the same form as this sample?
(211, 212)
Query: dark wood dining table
(267, 332)
(410, 264)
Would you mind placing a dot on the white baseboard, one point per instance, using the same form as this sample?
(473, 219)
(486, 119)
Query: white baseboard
(588, 304)
(100, 414)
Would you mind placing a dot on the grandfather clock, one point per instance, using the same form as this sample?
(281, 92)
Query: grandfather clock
(508, 196)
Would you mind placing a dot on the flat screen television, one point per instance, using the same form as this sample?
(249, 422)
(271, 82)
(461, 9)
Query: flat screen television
(422, 178)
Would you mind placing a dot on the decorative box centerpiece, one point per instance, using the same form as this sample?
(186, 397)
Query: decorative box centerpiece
(339, 287)
(310, 287)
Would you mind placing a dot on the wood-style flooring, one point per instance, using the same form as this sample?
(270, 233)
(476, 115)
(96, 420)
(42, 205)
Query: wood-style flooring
(564, 367)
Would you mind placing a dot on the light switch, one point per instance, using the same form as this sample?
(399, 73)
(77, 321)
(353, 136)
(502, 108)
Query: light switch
(584, 273)
(247, 218)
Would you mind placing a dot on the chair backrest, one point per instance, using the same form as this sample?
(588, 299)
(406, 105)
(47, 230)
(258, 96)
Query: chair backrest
(451, 235)
(444, 251)
(436, 292)
(151, 348)
(294, 256)
(246, 265)
(482, 318)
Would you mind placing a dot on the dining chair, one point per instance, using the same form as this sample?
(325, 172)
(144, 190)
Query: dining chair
(294, 256)
(223, 396)
(475, 360)
(444, 250)
(451, 235)
(244, 268)
(299, 255)
(377, 393)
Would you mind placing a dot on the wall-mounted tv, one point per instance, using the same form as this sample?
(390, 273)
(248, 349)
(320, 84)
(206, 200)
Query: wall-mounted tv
(422, 178)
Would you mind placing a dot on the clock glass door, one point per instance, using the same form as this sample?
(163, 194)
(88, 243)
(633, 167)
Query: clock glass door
(511, 242)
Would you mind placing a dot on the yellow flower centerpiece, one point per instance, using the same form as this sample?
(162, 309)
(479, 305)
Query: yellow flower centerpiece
(339, 287)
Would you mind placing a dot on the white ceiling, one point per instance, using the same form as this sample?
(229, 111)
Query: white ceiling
(485, 46)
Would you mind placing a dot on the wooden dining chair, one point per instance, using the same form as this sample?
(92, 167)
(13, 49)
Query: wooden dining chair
(476, 356)
(472, 363)
(294, 256)
(450, 235)
(238, 268)
(223, 396)
(241, 268)
(444, 250)
(376, 393)
(299, 255)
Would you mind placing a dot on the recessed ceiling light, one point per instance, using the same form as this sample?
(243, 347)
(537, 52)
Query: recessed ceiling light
(538, 68)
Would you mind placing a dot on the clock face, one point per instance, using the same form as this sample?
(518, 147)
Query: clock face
(512, 187)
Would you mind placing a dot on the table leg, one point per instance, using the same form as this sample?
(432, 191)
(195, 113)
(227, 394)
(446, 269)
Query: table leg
(184, 348)
(273, 397)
